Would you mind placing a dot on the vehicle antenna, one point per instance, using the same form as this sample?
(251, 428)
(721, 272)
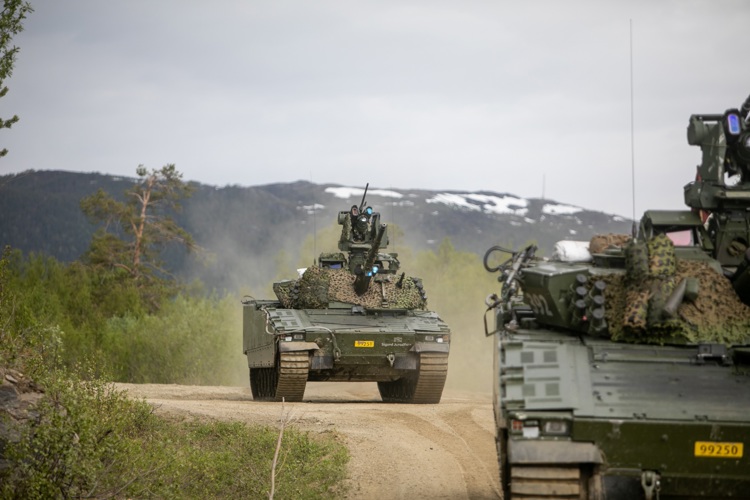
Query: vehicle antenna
(315, 226)
(393, 217)
(632, 131)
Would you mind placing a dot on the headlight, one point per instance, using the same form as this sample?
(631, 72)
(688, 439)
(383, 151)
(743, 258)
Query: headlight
(531, 429)
(732, 124)
(528, 428)
(437, 338)
(534, 428)
(516, 426)
(556, 427)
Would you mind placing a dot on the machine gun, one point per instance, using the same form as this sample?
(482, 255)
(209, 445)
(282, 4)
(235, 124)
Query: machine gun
(724, 140)
(360, 228)
(366, 271)
(510, 271)
(364, 195)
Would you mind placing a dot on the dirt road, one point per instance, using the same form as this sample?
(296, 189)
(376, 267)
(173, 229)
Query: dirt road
(397, 451)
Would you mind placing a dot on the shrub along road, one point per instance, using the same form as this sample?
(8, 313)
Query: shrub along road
(397, 451)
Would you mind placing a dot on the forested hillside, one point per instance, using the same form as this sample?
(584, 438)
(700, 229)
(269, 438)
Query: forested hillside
(250, 234)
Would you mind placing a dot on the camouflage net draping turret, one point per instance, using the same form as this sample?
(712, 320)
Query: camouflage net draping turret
(600, 242)
(346, 231)
(319, 286)
(637, 299)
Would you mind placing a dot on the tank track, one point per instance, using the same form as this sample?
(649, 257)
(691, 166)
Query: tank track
(540, 482)
(425, 387)
(263, 383)
(287, 380)
(433, 369)
(293, 371)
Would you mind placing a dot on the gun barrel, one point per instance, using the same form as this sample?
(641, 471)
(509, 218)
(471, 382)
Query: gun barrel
(362, 281)
(675, 299)
(364, 195)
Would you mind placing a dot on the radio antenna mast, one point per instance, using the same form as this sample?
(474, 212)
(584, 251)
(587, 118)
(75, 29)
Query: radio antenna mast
(315, 225)
(632, 130)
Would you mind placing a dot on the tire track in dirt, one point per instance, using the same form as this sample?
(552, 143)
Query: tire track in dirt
(471, 445)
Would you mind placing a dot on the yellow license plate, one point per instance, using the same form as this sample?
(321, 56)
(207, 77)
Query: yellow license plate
(364, 343)
(720, 450)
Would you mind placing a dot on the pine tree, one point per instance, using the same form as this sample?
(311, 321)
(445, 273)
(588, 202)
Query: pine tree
(136, 230)
(11, 23)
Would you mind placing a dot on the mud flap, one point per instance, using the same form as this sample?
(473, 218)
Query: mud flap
(552, 452)
(430, 347)
(297, 346)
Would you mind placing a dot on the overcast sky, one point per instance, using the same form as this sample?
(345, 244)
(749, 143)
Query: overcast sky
(522, 97)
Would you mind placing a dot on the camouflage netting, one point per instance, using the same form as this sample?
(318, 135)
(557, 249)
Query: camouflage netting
(346, 231)
(635, 301)
(600, 242)
(318, 286)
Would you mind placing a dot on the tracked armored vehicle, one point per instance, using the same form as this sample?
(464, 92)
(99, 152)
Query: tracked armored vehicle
(622, 367)
(353, 316)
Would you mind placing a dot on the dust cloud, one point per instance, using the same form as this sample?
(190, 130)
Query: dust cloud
(470, 361)
(455, 281)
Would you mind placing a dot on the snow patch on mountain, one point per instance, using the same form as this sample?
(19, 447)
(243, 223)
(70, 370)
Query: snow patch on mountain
(310, 209)
(481, 202)
(453, 200)
(347, 192)
(558, 209)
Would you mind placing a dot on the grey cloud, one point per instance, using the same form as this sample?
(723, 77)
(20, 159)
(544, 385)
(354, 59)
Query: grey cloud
(463, 95)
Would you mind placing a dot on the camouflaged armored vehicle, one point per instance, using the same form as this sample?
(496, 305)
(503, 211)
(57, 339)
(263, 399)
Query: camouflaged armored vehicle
(623, 367)
(353, 316)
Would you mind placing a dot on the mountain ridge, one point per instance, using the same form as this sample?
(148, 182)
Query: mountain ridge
(240, 225)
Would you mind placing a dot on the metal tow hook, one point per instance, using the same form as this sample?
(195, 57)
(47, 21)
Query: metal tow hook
(651, 482)
(391, 358)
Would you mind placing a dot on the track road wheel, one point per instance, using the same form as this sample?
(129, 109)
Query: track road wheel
(425, 386)
(286, 381)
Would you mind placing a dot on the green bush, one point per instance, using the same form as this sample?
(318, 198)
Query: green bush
(86, 439)
(190, 341)
(90, 440)
(80, 444)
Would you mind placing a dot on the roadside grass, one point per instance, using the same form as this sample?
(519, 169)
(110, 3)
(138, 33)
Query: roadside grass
(90, 440)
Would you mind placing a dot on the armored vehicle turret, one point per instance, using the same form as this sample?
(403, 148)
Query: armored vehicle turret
(623, 363)
(353, 316)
